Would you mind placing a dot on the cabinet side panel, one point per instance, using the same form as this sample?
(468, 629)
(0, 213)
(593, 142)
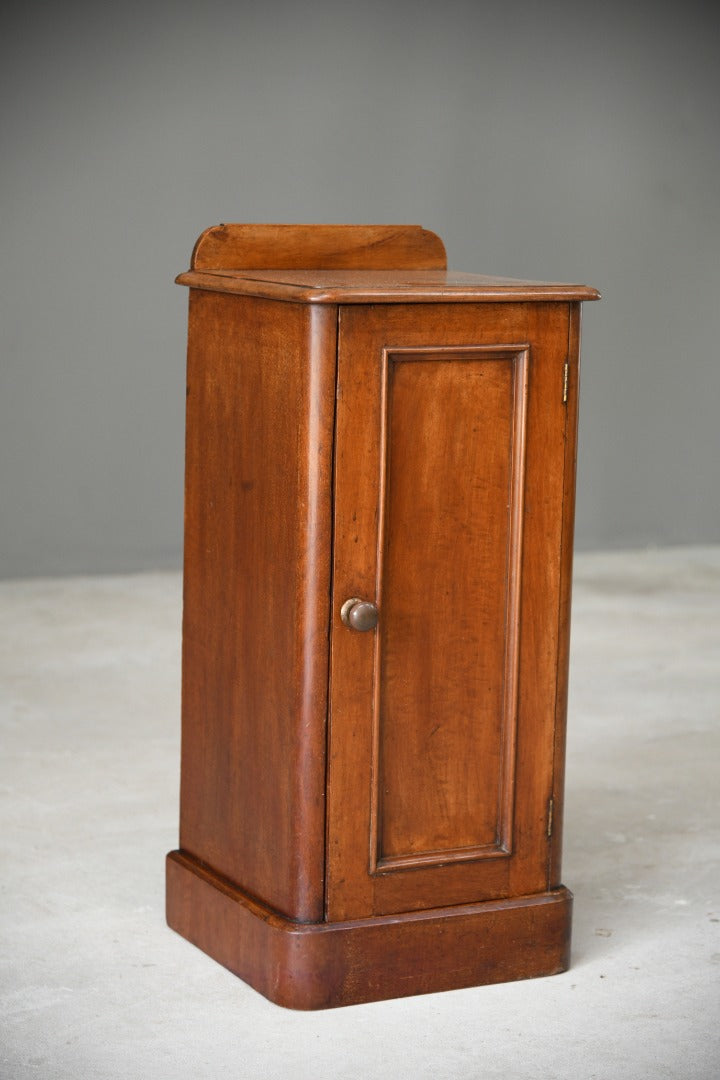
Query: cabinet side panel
(568, 533)
(255, 624)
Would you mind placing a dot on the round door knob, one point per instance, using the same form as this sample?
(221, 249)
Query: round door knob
(359, 614)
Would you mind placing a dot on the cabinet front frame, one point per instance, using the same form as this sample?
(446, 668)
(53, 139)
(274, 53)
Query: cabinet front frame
(535, 338)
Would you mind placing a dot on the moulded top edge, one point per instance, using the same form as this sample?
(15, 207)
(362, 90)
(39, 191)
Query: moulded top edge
(381, 286)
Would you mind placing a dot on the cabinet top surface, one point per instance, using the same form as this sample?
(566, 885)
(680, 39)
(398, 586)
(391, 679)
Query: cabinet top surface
(321, 286)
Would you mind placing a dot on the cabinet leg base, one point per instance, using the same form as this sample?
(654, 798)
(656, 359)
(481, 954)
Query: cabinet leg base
(323, 965)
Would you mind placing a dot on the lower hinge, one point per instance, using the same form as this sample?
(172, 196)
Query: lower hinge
(551, 807)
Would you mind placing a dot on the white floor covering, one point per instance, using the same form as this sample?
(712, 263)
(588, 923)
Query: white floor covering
(93, 984)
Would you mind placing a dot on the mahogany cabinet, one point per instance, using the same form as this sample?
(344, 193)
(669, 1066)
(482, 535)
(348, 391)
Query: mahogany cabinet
(380, 470)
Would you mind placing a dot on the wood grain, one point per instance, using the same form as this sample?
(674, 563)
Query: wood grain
(565, 596)
(257, 564)
(450, 537)
(353, 889)
(373, 814)
(299, 247)
(382, 286)
(325, 965)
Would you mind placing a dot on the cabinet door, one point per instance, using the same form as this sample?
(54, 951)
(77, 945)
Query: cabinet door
(450, 455)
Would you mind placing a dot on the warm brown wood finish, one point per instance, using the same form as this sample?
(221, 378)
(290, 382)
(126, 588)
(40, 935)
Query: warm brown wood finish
(304, 247)
(568, 530)
(325, 965)
(451, 664)
(257, 577)
(371, 814)
(381, 286)
(445, 722)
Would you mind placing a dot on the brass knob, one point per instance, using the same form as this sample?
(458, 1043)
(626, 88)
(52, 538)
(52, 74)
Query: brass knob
(359, 614)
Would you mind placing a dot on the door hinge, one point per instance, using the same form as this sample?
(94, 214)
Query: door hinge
(566, 376)
(551, 807)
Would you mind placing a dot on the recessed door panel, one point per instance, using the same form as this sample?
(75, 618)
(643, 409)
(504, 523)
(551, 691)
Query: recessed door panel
(453, 464)
(448, 508)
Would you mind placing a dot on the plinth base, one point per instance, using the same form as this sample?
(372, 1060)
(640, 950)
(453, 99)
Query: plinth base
(323, 965)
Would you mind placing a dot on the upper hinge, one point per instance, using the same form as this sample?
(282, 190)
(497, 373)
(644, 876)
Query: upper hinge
(551, 807)
(566, 377)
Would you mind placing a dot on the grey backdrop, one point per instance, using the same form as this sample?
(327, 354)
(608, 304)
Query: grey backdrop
(548, 140)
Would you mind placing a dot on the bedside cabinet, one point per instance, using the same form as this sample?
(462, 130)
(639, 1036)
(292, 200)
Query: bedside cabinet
(380, 469)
